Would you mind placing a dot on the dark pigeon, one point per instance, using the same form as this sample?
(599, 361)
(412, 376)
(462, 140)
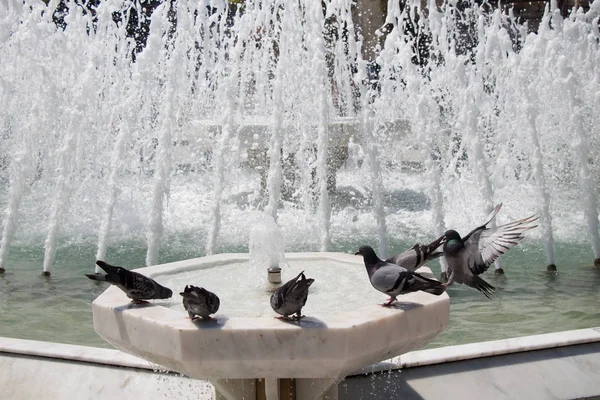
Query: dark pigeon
(472, 255)
(136, 286)
(393, 279)
(291, 297)
(199, 302)
(418, 255)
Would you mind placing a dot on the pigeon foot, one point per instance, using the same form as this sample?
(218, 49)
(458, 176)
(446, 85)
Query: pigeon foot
(46, 273)
(389, 303)
(139, 302)
(444, 277)
(499, 271)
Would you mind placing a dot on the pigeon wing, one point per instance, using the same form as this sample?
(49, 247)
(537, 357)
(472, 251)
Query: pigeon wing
(417, 255)
(213, 302)
(485, 245)
(141, 287)
(389, 278)
(278, 298)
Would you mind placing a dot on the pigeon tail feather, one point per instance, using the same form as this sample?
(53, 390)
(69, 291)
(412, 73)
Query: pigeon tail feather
(436, 289)
(484, 287)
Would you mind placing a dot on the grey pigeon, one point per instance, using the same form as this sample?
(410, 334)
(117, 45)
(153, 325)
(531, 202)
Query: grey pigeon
(472, 255)
(291, 297)
(418, 255)
(136, 286)
(393, 279)
(199, 302)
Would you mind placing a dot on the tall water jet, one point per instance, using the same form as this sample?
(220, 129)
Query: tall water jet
(121, 121)
(590, 196)
(274, 179)
(321, 82)
(21, 167)
(227, 131)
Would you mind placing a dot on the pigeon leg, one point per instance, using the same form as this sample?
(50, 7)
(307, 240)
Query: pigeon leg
(299, 315)
(389, 303)
(139, 302)
(450, 280)
(282, 317)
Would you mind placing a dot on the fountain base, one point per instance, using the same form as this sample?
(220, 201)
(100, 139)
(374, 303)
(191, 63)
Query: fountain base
(235, 352)
(597, 262)
(499, 271)
(275, 389)
(551, 268)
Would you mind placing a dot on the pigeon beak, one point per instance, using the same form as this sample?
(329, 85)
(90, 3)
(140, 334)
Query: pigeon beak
(357, 253)
(437, 243)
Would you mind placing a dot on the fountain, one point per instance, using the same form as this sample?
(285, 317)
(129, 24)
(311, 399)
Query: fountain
(227, 115)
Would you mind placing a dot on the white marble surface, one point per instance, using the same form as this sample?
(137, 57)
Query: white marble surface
(263, 347)
(562, 365)
(27, 377)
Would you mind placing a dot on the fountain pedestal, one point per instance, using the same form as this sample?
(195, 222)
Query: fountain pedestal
(233, 351)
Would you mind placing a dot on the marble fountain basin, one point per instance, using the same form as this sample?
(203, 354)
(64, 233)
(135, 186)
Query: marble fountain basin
(344, 330)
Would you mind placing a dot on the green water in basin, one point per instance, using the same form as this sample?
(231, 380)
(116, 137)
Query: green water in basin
(528, 300)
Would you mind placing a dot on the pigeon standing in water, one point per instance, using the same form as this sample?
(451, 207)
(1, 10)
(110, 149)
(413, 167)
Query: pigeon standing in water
(199, 302)
(291, 297)
(418, 255)
(136, 286)
(393, 279)
(472, 255)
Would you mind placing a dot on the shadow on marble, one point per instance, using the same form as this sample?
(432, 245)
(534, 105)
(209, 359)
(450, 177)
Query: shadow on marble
(211, 323)
(305, 322)
(405, 305)
(136, 306)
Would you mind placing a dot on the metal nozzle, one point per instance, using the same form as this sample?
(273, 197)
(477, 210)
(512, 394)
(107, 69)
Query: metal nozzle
(274, 274)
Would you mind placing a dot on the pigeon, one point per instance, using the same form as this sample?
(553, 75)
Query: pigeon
(136, 286)
(472, 255)
(199, 302)
(393, 279)
(418, 255)
(291, 297)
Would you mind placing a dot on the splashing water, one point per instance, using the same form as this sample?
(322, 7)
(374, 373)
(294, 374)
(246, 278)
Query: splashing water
(230, 110)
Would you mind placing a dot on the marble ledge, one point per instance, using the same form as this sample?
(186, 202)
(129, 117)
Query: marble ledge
(412, 359)
(71, 352)
(492, 348)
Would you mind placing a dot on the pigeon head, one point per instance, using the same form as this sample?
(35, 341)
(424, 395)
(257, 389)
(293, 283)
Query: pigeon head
(368, 254)
(454, 242)
(163, 293)
(186, 290)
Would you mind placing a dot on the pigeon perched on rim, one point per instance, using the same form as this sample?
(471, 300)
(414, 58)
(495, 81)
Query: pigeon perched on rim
(199, 302)
(393, 279)
(136, 286)
(291, 297)
(418, 255)
(473, 254)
